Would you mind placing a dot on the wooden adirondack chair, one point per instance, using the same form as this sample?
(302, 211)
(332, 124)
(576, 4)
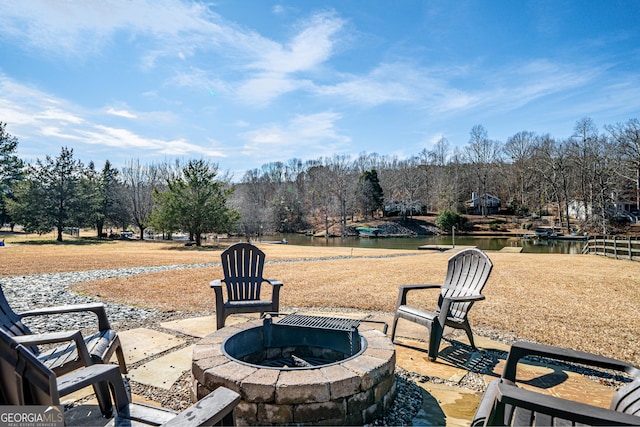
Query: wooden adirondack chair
(27, 381)
(505, 404)
(64, 358)
(467, 273)
(242, 265)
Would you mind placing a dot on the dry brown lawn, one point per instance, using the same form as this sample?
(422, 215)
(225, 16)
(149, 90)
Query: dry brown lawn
(578, 301)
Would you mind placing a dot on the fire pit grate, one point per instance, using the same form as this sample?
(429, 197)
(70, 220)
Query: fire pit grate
(333, 323)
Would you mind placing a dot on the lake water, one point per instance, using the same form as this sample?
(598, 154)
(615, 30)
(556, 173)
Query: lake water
(485, 243)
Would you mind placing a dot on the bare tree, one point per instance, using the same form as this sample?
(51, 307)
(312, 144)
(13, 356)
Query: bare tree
(627, 137)
(584, 144)
(412, 181)
(251, 199)
(604, 182)
(520, 149)
(341, 183)
(555, 170)
(140, 181)
(320, 201)
(436, 185)
(482, 153)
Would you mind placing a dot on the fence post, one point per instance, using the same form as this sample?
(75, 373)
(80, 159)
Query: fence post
(615, 247)
(629, 244)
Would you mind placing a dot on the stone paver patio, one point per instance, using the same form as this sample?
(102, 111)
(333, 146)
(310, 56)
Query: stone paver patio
(445, 401)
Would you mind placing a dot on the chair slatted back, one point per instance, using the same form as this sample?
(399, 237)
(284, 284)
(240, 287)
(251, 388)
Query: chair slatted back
(38, 382)
(25, 380)
(11, 323)
(467, 273)
(242, 265)
(514, 406)
(627, 399)
(10, 393)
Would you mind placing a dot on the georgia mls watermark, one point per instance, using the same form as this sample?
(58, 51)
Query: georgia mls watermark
(31, 416)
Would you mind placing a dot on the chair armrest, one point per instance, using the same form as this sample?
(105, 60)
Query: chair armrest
(273, 282)
(97, 308)
(403, 290)
(521, 349)
(94, 374)
(447, 301)
(216, 285)
(213, 408)
(467, 298)
(579, 413)
(57, 337)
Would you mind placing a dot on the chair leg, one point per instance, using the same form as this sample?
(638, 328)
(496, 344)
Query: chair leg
(467, 328)
(121, 360)
(435, 337)
(393, 327)
(103, 397)
(220, 318)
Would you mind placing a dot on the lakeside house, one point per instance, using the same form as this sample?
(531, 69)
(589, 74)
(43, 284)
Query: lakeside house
(475, 204)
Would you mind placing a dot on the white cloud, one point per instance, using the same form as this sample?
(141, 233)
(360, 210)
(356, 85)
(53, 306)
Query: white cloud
(74, 27)
(172, 28)
(121, 113)
(125, 139)
(397, 83)
(35, 114)
(312, 46)
(262, 90)
(277, 67)
(314, 135)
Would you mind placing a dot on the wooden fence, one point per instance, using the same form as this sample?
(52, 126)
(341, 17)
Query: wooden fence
(614, 247)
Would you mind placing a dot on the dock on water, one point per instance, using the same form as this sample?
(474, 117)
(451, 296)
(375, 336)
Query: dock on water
(444, 248)
(512, 249)
(451, 248)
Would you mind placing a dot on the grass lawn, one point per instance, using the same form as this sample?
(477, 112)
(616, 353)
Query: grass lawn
(584, 302)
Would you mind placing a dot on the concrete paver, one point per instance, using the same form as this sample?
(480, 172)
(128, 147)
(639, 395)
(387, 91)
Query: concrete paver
(140, 343)
(164, 371)
(457, 405)
(198, 327)
(88, 414)
(78, 395)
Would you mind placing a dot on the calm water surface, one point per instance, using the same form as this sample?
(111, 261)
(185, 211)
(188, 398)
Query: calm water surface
(484, 243)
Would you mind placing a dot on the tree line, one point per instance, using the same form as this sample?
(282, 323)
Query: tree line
(587, 180)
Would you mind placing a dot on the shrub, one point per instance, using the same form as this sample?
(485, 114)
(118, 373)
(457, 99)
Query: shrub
(447, 219)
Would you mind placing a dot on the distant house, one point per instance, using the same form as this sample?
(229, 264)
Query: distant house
(475, 204)
(620, 211)
(400, 207)
(577, 210)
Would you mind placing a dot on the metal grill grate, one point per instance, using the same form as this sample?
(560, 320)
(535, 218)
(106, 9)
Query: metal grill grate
(334, 323)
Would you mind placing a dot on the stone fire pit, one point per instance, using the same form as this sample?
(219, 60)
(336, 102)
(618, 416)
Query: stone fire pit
(320, 384)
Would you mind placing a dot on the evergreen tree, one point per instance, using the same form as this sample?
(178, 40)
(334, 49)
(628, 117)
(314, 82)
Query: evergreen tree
(109, 202)
(53, 195)
(194, 202)
(371, 196)
(11, 171)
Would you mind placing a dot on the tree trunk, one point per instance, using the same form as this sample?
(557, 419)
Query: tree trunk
(326, 226)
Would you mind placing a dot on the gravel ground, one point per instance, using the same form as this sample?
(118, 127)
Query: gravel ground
(29, 292)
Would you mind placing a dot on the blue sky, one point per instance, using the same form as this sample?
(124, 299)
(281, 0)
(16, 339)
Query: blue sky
(242, 83)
